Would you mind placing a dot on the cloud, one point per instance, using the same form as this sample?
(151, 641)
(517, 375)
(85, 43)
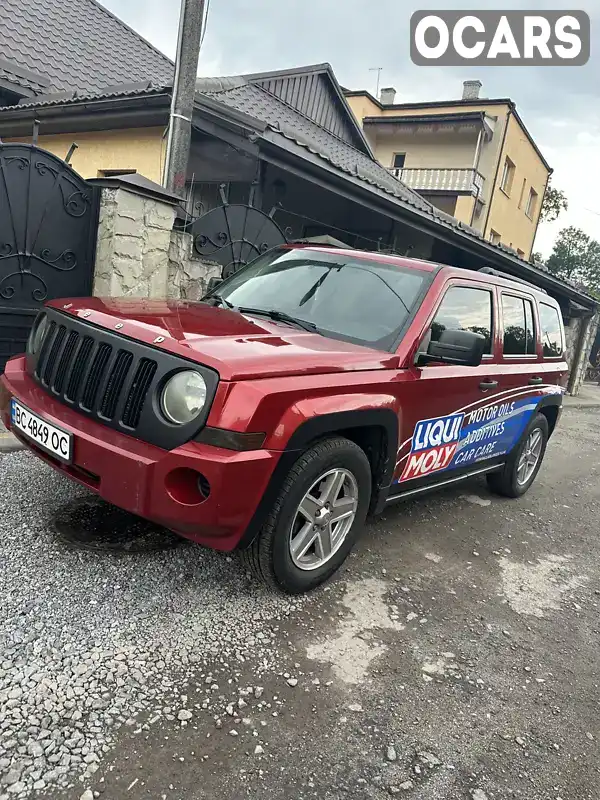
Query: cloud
(559, 105)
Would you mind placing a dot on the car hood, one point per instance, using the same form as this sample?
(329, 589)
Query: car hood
(238, 346)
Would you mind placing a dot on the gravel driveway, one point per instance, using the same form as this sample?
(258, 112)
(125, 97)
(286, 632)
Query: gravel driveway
(456, 657)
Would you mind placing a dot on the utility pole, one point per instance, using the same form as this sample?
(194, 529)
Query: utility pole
(182, 104)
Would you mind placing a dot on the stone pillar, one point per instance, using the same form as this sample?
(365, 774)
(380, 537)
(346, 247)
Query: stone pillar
(134, 237)
(580, 348)
(188, 275)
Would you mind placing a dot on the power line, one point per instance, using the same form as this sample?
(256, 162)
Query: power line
(204, 22)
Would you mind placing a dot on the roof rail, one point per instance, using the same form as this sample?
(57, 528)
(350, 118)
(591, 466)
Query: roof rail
(506, 276)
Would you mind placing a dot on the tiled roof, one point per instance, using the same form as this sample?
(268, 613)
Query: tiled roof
(77, 44)
(285, 123)
(65, 98)
(20, 80)
(257, 102)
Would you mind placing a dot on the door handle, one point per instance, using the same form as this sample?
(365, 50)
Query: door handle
(535, 381)
(485, 385)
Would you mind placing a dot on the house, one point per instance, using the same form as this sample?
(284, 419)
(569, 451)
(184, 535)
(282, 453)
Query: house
(473, 158)
(284, 145)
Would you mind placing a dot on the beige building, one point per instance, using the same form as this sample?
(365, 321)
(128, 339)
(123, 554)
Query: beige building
(472, 158)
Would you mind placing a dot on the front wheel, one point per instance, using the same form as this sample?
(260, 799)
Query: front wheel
(316, 519)
(521, 469)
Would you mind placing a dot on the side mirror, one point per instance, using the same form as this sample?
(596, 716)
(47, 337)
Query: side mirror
(212, 284)
(463, 348)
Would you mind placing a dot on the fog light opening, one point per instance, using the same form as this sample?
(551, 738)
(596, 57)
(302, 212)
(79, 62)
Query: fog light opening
(187, 487)
(203, 486)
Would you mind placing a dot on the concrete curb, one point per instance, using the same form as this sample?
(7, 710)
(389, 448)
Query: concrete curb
(9, 443)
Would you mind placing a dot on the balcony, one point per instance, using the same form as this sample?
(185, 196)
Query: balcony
(452, 181)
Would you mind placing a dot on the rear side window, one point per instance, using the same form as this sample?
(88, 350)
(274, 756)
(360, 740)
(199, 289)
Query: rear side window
(465, 309)
(517, 320)
(551, 330)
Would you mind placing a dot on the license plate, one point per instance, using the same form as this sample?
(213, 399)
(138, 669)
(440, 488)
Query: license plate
(50, 438)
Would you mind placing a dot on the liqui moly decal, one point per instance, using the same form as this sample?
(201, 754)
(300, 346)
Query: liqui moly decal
(434, 444)
(465, 438)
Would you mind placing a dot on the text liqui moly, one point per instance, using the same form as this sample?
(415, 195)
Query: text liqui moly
(433, 446)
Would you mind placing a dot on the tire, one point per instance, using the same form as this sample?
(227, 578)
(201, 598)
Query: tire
(507, 482)
(269, 558)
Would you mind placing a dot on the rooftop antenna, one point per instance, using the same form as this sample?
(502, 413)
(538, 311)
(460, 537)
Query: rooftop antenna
(378, 70)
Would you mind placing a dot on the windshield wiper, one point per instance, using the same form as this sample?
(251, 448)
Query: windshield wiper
(220, 299)
(279, 316)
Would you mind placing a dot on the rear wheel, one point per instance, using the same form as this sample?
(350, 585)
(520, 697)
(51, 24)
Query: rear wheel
(521, 469)
(316, 519)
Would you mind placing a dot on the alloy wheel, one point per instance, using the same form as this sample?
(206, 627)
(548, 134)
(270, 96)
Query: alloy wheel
(323, 519)
(529, 457)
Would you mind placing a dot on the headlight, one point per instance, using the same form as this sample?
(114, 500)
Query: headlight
(36, 337)
(183, 397)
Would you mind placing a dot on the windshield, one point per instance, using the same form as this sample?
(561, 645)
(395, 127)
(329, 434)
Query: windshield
(354, 299)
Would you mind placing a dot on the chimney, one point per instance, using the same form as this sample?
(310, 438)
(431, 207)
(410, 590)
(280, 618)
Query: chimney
(471, 90)
(387, 96)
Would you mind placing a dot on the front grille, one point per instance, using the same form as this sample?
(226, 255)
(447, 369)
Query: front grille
(93, 374)
(114, 380)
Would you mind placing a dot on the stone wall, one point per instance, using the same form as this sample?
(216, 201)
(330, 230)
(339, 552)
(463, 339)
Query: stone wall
(139, 254)
(188, 275)
(578, 362)
(134, 237)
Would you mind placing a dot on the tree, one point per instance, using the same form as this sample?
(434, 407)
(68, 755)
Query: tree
(576, 257)
(555, 201)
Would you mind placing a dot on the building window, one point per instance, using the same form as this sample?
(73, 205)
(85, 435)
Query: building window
(552, 340)
(494, 237)
(532, 201)
(399, 159)
(522, 195)
(465, 309)
(517, 319)
(508, 175)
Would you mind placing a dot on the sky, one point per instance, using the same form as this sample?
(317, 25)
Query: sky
(559, 105)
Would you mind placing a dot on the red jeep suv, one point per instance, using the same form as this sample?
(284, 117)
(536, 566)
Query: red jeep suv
(310, 388)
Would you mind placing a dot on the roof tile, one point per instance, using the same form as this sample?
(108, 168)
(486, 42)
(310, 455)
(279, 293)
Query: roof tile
(78, 44)
(281, 118)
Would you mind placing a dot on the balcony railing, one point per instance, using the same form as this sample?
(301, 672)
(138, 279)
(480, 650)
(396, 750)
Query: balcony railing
(465, 181)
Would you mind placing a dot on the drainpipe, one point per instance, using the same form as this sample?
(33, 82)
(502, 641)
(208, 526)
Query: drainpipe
(579, 353)
(537, 224)
(476, 169)
(487, 218)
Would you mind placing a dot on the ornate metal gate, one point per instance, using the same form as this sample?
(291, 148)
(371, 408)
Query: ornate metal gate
(234, 234)
(48, 229)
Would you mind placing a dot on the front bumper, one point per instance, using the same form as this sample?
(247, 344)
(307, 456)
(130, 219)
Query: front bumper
(153, 483)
